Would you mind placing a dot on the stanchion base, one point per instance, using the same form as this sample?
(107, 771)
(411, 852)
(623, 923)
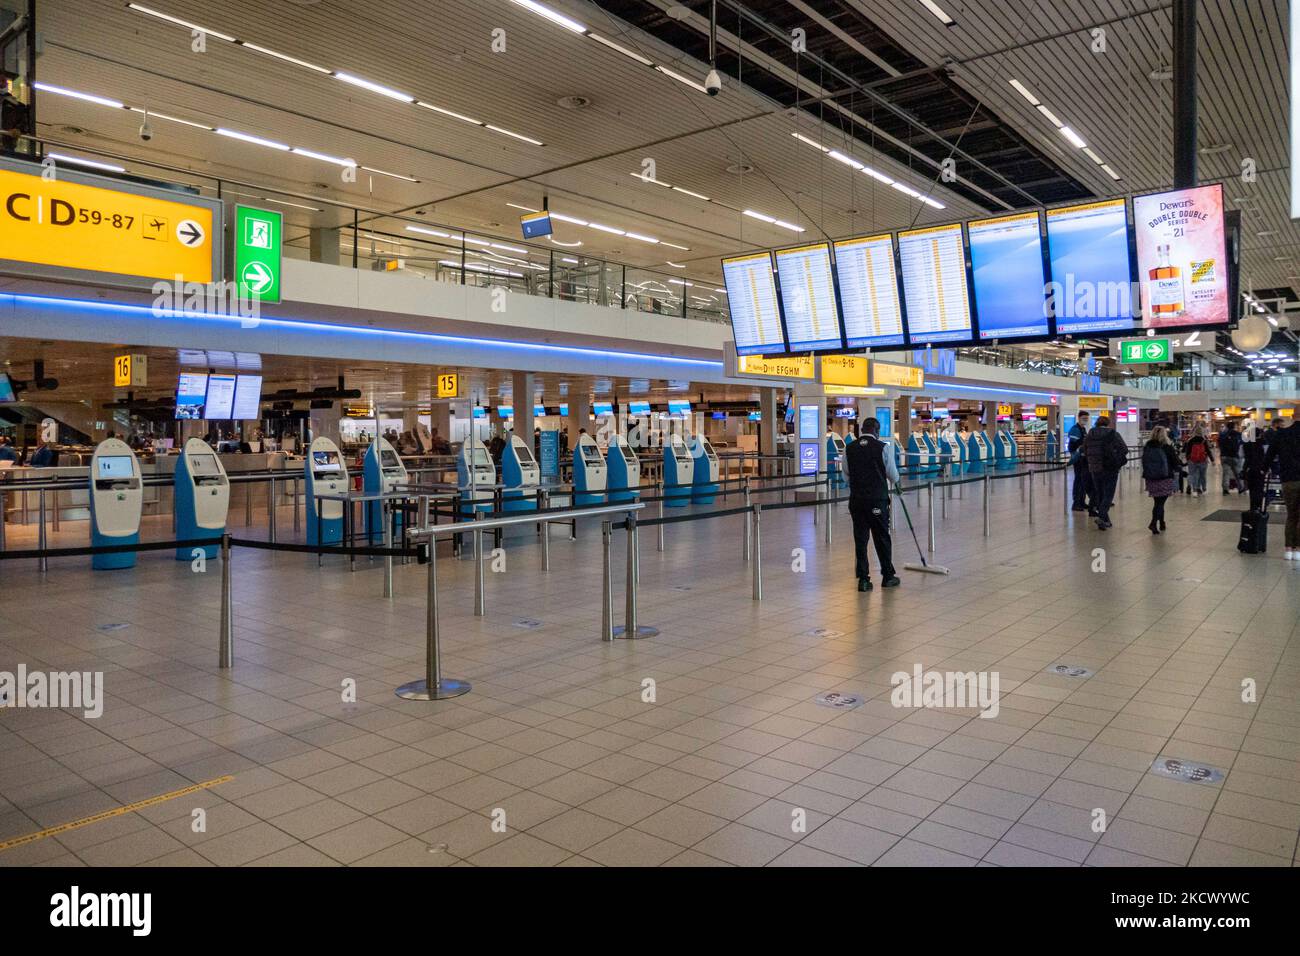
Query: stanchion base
(620, 632)
(420, 690)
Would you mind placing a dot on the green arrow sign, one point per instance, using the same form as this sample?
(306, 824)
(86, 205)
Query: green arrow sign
(258, 245)
(1144, 351)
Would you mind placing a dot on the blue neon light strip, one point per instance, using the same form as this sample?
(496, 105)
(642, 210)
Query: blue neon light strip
(994, 388)
(73, 305)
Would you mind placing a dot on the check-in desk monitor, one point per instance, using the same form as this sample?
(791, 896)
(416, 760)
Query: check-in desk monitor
(116, 500)
(201, 497)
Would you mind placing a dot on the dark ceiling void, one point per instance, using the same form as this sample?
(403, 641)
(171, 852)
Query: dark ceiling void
(937, 112)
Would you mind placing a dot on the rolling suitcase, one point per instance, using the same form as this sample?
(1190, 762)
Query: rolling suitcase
(1254, 532)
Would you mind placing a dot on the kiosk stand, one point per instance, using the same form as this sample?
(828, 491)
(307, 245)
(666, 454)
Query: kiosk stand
(201, 497)
(590, 478)
(623, 471)
(835, 472)
(1004, 450)
(326, 473)
(476, 476)
(381, 472)
(116, 499)
(705, 468)
(679, 473)
(520, 475)
(980, 453)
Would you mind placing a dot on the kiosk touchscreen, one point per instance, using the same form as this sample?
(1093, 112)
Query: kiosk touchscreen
(704, 484)
(979, 453)
(201, 497)
(920, 459)
(327, 474)
(476, 476)
(381, 471)
(590, 475)
(520, 475)
(951, 452)
(835, 463)
(623, 471)
(1004, 450)
(116, 498)
(679, 473)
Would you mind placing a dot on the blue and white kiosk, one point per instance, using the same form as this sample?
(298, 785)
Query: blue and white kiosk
(922, 455)
(836, 474)
(520, 475)
(1004, 450)
(200, 498)
(951, 452)
(590, 474)
(679, 473)
(326, 473)
(623, 471)
(381, 472)
(476, 476)
(979, 453)
(116, 500)
(704, 481)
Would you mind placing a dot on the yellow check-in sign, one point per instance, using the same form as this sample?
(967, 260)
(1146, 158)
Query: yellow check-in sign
(64, 224)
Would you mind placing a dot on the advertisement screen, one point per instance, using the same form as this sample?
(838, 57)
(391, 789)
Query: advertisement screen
(1006, 260)
(191, 393)
(934, 284)
(220, 404)
(869, 292)
(812, 320)
(751, 298)
(1092, 275)
(248, 397)
(1182, 258)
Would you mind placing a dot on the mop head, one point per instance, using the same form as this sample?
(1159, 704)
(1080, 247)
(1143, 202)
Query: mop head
(926, 568)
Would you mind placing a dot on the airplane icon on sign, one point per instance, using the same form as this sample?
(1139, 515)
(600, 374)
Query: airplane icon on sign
(154, 228)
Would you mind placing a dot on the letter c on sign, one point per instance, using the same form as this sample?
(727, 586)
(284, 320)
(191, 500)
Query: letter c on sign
(9, 205)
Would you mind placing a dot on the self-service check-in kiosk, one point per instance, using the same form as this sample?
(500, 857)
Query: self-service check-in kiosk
(520, 475)
(979, 453)
(201, 497)
(679, 473)
(705, 468)
(1004, 450)
(590, 473)
(898, 455)
(835, 470)
(116, 498)
(951, 452)
(922, 456)
(381, 471)
(623, 471)
(476, 476)
(326, 473)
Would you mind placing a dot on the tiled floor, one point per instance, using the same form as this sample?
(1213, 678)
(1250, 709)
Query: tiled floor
(733, 762)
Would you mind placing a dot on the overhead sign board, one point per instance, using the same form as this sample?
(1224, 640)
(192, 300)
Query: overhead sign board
(897, 376)
(850, 370)
(1096, 403)
(86, 228)
(130, 371)
(258, 239)
(1144, 350)
(448, 385)
(787, 368)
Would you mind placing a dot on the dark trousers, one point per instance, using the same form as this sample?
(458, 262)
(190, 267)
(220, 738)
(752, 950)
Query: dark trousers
(1082, 483)
(1103, 492)
(1255, 485)
(871, 520)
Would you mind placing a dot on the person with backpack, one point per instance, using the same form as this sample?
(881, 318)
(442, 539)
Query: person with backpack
(1106, 453)
(1284, 451)
(1082, 482)
(1198, 453)
(1160, 465)
(1230, 452)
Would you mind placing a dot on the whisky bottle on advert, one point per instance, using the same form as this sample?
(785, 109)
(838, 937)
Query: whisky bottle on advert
(1165, 286)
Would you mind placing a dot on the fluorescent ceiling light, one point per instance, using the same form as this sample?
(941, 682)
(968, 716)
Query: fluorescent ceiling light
(566, 245)
(374, 87)
(1110, 172)
(811, 142)
(515, 205)
(788, 225)
(384, 172)
(1023, 91)
(498, 245)
(526, 139)
(675, 265)
(429, 232)
(630, 54)
(101, 100)
(445, 112)
(938, 12)
(637, 235)
(349, 163)
(758, 215)
(681, 79)
(1074, 138)
(173, 119)
(78, 161)
(609, 229)
(554, 16)
(846, 160)
(1050, 115)
(569, 219)
(284, 56)
(179, 22)
(673, 245)
(694, 194)
(569, 259)
(256, 140)
(907, 190)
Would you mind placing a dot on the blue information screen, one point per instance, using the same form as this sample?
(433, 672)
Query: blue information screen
(808, 458)
(809, 422)
(1092, 278)
(535, 225)
(1006, 256)
(550, 453)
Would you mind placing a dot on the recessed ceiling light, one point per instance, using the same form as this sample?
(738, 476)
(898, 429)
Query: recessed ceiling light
(573, 102)
(938, 11)
(1161, 74)
(740, 168)
(1214, 149)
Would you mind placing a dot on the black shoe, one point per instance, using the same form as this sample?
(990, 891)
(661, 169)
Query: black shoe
(1154, 527)
(1078, 508)
(1163, 526)
(890, 582)
(864, 584)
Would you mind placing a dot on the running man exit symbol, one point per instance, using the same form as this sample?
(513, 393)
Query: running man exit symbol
(259, 233)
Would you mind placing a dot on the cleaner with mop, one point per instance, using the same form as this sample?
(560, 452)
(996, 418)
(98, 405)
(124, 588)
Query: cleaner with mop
(872, 471)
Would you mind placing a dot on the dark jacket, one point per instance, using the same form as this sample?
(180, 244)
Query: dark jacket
(1254, 452)
(43, 457)
(1075, 440)
(1171, 456)
(1105, 450)
(871, 469)
(1230, 443)
(1285, 450)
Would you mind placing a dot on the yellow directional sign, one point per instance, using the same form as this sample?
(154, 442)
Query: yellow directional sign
(91, 225)
(844, 370)
(130, 370)
(448, 385)
(897, 376)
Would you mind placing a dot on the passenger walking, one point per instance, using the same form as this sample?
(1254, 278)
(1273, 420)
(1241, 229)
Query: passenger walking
(1160, 465)
(1106, 453)
(1230, 452)
(1198, 453)
(1284, 451)
(872, 472)
(1082, 482)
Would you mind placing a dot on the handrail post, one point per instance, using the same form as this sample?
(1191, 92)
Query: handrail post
(749, 523)
(659, 486)
(40, 542)
(1065, 489)
(756, 550)
(480, 603)
(297, 497)
(386, 518)
(270, 509)
(434, 686)
(827, 511)
(929, 508)
(248, 504)
(630, 629)
(988, 525)
(226, 639)
(544, 503)
(1031, 496)
(607, 585)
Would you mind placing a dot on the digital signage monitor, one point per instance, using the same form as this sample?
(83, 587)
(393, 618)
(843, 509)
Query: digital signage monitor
(248, 398)
(807, 283)
(936, 296)
(220, 403)
(867, 274)
(191, 393)
(1091, 268)
(1182, 260)
(1006, 261)
(752, 303)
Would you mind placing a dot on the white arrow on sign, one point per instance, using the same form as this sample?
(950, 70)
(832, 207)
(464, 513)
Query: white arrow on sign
(190, 233)
(1154, 350)
(257, 277)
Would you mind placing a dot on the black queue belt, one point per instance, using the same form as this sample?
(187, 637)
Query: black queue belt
(698, 516)
(108, 549)
(325, 549)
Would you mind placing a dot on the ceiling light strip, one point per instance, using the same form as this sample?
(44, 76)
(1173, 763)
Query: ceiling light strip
(868, 171)
(1074, 138)
(771, 220)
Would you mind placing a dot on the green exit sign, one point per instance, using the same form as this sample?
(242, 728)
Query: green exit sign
(258, 245)
(1144, 351)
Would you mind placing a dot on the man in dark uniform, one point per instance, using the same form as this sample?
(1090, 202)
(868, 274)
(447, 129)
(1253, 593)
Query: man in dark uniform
(872, 471)
(1082, 480)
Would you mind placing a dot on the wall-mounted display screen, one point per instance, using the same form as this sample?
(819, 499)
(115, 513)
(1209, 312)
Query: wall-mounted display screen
(752, 302)
(480, 411)
(1090, 266)
(868, 282)
(807, 283)
(601, 409)
(191, 393)
(539, 411)
(7, 393)
(809, 421)
(935, 295)
(1006, 261)
(114, 467)
(638, 408)
(505, 411)
(248, 398)
(220, 404)
(1182, 258)
(677, 407)
(325, 461)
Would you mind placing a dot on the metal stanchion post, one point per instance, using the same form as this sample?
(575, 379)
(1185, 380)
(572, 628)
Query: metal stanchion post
(636, 554)
(988, 523)
(607, 586)
(480, 602)
(270, 510)
(2, 519)
(434, 686)
(1065, 489)
(388, 544)
(297, 496)
(660, 492)
(248, 504)
(54, 513)
(943, 502)
(756, 550)
(929, 501)
(827, 516)
(1031, 496)
(630, 629)
(744, 547)
(545, 504)
(226, 648)
(40, 535)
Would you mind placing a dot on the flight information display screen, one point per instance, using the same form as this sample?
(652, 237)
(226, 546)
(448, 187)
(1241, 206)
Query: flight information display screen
(812, 318)
(1092, 274)
(248, 397)
(601, 409)
(752, 301)
(1006, 260)
(191, 393)
(220, 403)
(868, 284)
(935, 294)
